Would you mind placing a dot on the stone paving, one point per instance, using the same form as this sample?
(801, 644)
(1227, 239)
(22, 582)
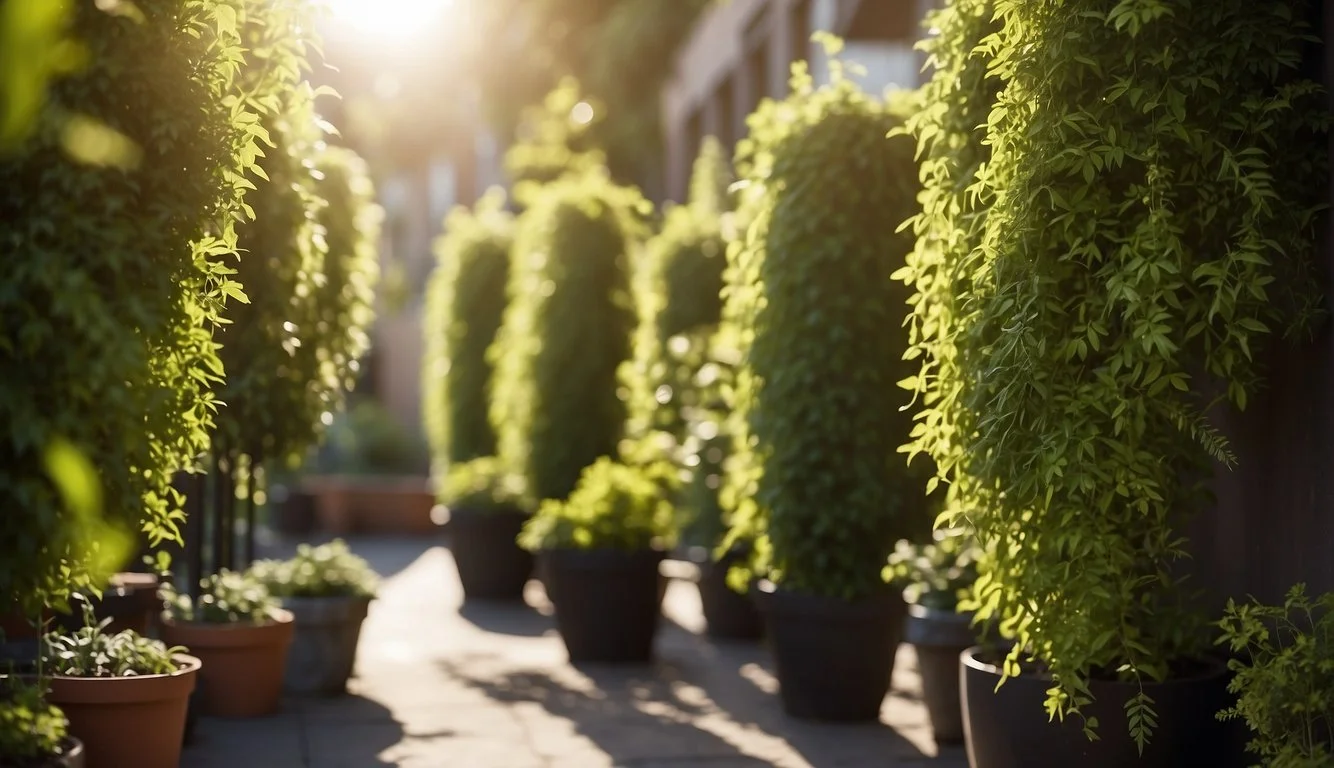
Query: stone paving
(440, 685)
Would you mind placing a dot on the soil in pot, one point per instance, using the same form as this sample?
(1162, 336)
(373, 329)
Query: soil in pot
(128, 721)
(939, 637)
(607, 602)
(243, 667)
(1008, 728)
(728, 614)
(324, 643)
(491, 565)
(834, 658)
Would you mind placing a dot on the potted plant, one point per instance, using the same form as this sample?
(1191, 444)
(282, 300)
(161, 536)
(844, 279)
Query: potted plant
(33, 732)
(239, 632)
(934, 578)
(487, 508)
(328, 590)
(1284, 677)
(125, 695)
(815, 481)
(1082, 319)
(601, 550)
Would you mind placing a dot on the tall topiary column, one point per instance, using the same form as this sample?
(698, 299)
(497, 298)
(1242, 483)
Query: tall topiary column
(566, 332)
(465, 304)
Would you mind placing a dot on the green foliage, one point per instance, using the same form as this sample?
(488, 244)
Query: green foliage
(114, 278)
(817, 484)
(1285, 686)
(327, 570)
(938, 575)
(370, 440)
(34, 50)
(614, 506)
(92, 652)
(484, 485)
(1149, 218)
(30, 728)
(555, 138)
(566, 332)
(226, 597)
(465, 304)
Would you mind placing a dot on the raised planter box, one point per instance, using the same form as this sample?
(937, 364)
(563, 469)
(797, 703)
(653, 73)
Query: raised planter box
(346, 504)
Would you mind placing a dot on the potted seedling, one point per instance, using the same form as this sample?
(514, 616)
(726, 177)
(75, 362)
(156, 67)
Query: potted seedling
(487, 509)
(33, 732)
(328, 590)
(241, 635)
(600, 551)
(934, 578)
(125, 695)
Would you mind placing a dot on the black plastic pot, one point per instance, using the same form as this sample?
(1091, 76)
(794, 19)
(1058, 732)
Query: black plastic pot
(491, 565)
(939, 637)
(607, 602)
(728, 614)
(1008, 728)
(834, 658)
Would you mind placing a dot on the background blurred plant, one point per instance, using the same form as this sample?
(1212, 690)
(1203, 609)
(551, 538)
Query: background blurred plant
(30, 728)
(484, 484)
(326, 570)
(226, 597)
(936, 575)
(614, 506)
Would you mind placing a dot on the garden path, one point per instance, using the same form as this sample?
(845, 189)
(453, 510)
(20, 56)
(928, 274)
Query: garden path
(440, 686)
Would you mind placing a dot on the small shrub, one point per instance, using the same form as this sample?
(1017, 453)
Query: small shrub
(936, 575)
(226, 597)
(31, 730)
(327, 570)
(614, 506)
(484, 485)
(92, 652)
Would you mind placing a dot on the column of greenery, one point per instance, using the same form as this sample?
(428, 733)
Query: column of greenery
(555, 138)
(114, 277)
(566, 331)
(819, 485)
(1150, 228)
(465, 304)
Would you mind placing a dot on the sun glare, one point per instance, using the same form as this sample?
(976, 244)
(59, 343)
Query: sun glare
(387, 18)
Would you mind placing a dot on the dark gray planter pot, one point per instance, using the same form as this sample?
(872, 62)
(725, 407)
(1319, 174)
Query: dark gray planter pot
(324, 646)
(939, 637)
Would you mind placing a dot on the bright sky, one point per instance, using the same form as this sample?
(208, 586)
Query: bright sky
(388, 19)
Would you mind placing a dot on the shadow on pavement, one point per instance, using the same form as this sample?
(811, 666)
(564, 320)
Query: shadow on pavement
(507, 618)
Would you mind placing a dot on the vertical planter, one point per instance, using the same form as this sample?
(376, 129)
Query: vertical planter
(491, 565)
(324, 643)
(1008, 727)
(835, 659)
(128, 721)
(607, 602)
(939, 637)
(242, 673)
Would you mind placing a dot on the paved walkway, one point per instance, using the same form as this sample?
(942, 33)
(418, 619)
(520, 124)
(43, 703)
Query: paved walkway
(440, 686)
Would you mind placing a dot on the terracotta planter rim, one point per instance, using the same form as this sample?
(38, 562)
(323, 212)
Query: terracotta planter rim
(130, 689)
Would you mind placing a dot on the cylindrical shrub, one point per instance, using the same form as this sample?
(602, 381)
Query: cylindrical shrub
(566, 331)
(465, 304)
(112, 280)
(819, 416)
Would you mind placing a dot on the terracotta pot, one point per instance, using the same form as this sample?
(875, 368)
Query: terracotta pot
(372, 505)
(125, 721)
(243, 663)
(324, 648)
(15, 625)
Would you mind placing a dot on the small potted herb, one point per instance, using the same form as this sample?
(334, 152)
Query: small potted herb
(33, 732)
(1284, 677)
(241, 635)
(125, 695)
(600, 552)
(329, 590)
(935, 577)
(487, 510)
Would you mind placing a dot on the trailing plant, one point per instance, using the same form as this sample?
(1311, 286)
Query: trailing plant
(1285, 678)
(465, 304)
(226, 597)
(327, 570)
(937, 575)
(115, 276)
(816, 481)
(614, 506)
(566, 331)
(91, 651)
(31, 730)
(485, 484)
(1149, 219)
